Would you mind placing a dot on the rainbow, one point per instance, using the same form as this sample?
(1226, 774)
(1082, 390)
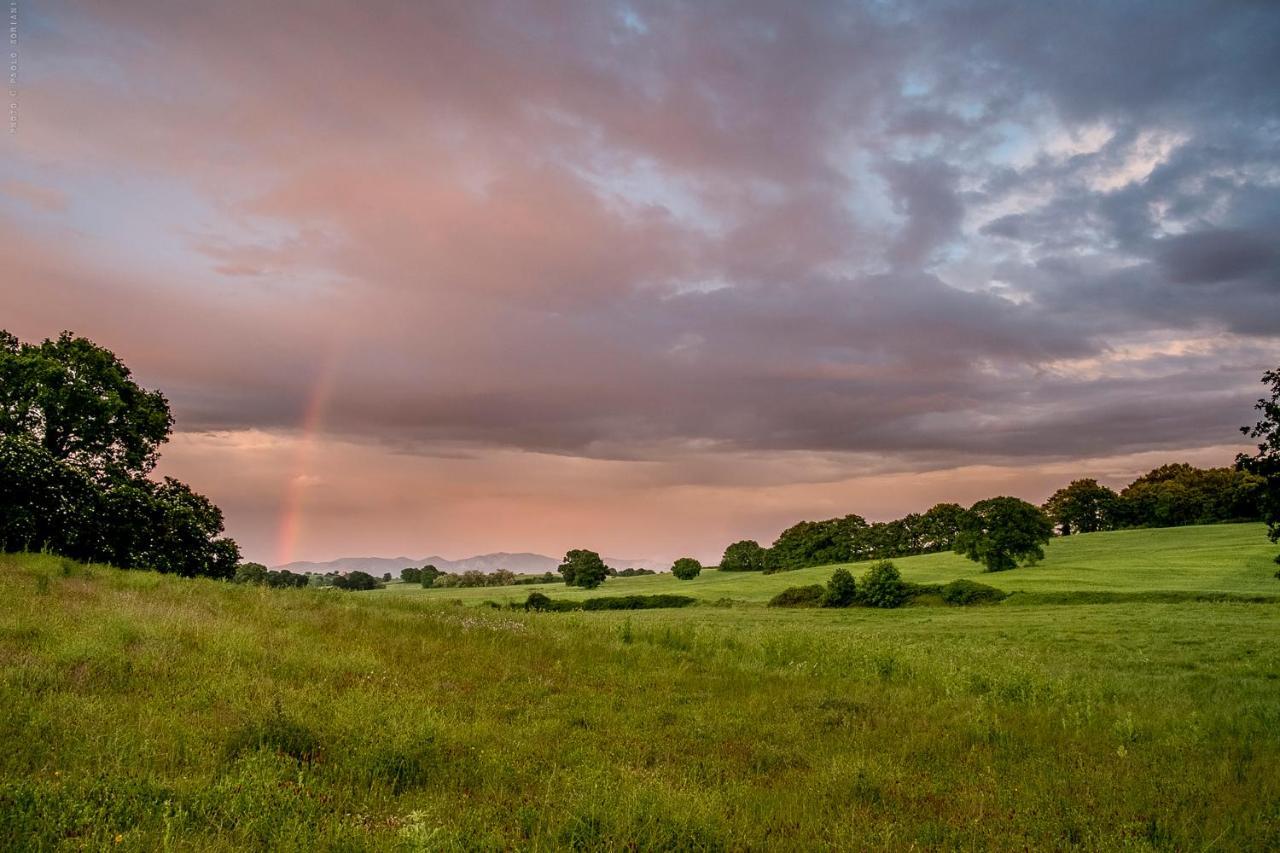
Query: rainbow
(291, 508)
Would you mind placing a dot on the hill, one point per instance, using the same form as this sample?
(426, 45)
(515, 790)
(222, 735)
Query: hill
(1235, 559)
(152, 712)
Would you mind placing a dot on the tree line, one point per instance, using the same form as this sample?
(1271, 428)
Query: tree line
(1167, 496)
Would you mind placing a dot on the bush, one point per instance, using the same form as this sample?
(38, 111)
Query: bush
(882, 586)
(538, 601)
(637, 602)
(965, 592)
(842, 590)
(686, 568)
(800, 596)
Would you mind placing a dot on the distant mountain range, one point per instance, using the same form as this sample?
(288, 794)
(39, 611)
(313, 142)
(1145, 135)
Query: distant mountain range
(531, 564)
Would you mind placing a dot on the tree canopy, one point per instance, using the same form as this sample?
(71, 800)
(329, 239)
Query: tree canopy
(583, 568)
(77, 438)
(1265, 464)
(744, 556)
(1083, 506)
(1001, 532)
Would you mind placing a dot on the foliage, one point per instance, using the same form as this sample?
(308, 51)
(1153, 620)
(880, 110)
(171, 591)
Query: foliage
(633, 572)
(686, 568)
(79, 403)
(1265, 464)
(842, 589)
(800, 596)
(1180, 494)
(538, 601)
(882, 586)
(411, 574)
(357, 580)
(744, 556)
(427, 575)
(583, 568)
(77, 438)
(1001, 532)
(1083, 506)
(964, 592)
(251, 573)
(637, 602)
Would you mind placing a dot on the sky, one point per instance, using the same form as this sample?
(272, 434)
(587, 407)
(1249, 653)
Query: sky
(648, 278)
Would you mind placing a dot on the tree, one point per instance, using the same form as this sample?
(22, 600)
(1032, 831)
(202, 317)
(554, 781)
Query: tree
(80, 403)
(744, 556)
(842, 589)
(1179, 494)
(427, 575)
(686, 568)
(1083, 507)
(882, 586)
(583, 568)
(251, 573)
(1000, 532)
(77, 438)
(357, 580)
(1265, 464)
(940, 525)
(411, 574)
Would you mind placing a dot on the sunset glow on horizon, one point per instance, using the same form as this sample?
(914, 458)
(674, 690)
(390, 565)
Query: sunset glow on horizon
(650, 278)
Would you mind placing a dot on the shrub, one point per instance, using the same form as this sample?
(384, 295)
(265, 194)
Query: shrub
(538, 601)
(842, 589)
(686, 568)
(882, 586)
(800, 596)
(964, 592)
(637, 602)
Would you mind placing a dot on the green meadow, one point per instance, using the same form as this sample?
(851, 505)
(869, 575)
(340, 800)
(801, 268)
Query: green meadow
(1111, 704)
(1171, 562)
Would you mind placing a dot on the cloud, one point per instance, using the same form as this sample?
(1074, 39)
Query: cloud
(940, 236)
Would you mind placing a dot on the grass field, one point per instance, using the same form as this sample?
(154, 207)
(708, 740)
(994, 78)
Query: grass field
(145, 712)
(1221, 558)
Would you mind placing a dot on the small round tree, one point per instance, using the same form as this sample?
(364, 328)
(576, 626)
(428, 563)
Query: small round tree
(1001, 532)
(744, 556)
(842, 589)
(583, 568)
(686, 568)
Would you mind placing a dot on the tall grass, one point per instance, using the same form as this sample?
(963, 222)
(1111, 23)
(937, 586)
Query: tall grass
(147, 712)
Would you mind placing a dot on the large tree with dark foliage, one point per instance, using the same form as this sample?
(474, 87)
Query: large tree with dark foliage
(1083, 506)
(1265, 464)
(77, 438)
(1001, 532)
(744, 556)
(583, 568)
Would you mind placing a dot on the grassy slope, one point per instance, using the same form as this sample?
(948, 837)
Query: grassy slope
(1225, 558)
(1144, 726)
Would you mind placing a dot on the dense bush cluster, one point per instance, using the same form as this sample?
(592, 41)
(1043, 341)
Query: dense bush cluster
(78, 438)
(882, 586)
(538, 601)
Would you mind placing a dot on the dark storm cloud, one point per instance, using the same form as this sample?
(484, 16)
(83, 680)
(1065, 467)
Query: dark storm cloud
(943, 231)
